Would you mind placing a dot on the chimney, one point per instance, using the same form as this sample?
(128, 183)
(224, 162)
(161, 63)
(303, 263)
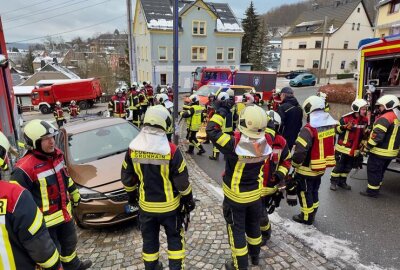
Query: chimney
(42, 63)
(315, 6)
(55, 60)
(337, 3)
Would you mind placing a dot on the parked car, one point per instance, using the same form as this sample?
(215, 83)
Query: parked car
(94, 151)
(303, 80)
(294, 74)
(204, 91)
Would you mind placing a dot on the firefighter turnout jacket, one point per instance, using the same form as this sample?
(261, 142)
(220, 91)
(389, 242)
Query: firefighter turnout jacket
(46, 177)
(349, 140)
(117, 106)
(25, 242)
(73, 110)
(314, 150)
(384, 140)
(243, 176)
(58, 114)
(160, 180)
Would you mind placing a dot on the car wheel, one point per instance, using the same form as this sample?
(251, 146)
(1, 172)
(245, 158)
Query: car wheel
(299, 84)
(84, 105)
(313, 83)
(45, 109)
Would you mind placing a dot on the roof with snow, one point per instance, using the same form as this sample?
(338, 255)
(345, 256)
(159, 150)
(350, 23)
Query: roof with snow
(23, 90)
(383, 2)
(312, 21)
(52, 67)
(159, 14)
(47, 59)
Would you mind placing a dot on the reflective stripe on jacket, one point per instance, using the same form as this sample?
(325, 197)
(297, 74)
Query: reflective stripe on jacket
(349, 140)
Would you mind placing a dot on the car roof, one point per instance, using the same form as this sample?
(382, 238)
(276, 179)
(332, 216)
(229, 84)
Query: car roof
(83, 125)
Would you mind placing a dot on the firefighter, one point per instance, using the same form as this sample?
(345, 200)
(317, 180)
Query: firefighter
(163, 100)
(26, 239)
(350, 132)
(210, 110)
(195, 114)
(245, 153)
(275, 99)
(170, 93)
(42, 171)
(144, 103)
(134, 106)
(73, 109)
(383, 143)
(313, 153)
(118, 104)
(275, 170)
(324, 96)
(155, 176)
(149, 92)
(59, 114)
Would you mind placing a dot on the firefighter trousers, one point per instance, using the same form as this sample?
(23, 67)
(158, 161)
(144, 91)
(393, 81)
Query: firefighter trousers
(65, 238)
(265, 224)
(376, 167)
(150, 227)
(244, 235)
(307, 191)
(193, 142)
(136, 117)
(344, 164)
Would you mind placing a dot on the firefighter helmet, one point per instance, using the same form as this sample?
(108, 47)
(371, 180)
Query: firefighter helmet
(73, 102)
(322, 95)
(58, 103)
(223, 96)
(124, 89)
(388, 101)
(194, 98)
(358, 104)
(163, 91)
(248, 98)
(161, 98)
(230, 92)
(158, 116)
(4, 148)
(313, 103)
(278, 91)
(36, 130)
(275, 117)
(252, 122)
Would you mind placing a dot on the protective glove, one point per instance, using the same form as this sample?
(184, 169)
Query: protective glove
(133, 197)
(188, 202)
(291, 192)
(275, 202)
(76, 198)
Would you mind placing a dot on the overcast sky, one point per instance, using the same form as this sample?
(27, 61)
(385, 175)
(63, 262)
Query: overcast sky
(26, 21)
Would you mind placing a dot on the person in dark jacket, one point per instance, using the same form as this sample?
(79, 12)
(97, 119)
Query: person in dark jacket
(291, 115)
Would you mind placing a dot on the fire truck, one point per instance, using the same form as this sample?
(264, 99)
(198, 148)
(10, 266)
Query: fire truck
(379, 72)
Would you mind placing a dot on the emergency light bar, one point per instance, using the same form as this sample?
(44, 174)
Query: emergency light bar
(219, 84)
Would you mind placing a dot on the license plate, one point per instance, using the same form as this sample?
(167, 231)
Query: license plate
(129, 209)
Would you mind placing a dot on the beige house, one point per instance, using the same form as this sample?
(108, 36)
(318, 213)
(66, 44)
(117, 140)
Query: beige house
(347, 23)
(388, 18)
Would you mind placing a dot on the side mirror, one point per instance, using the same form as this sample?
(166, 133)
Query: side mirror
(3, 61)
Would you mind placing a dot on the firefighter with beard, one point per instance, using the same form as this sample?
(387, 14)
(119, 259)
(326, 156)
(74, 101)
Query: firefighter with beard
(383, 143)
(24, 235)
(134, 105)
(42, 171)
(275, 170)
(195, 114)
(245, 152)
(155, 176)
(118, 105)
(314, 152)
(351, 130)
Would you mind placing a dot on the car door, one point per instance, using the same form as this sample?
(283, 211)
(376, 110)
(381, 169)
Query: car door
(306, 80)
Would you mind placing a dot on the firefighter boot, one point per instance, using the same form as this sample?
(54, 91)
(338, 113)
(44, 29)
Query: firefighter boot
(300, 219)
(190, 150)
(342, 184)
(368, 193)
(215, 156)
(85, 265)
(201, 151)
(230, 266)
(266, 235)
(159, 266)
(255, 260)
(333, 186)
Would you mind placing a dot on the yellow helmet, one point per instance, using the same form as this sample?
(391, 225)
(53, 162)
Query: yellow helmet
(388, 101)
(313, 103)
(4, 147)
(252, 122)
(36, 130)
(158, 116)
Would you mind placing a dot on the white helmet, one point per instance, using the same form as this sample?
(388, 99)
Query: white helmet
(158, 116)
(278, 91)
(230, 92)
(222, 96)
(163, 91)
(194, 98)
(58, 103)
(275, 117)
(118, 90)
(252, 91)
(252, 122)
(313, 103)
(124, 88)
(73, 102)
(358, 104)
(161, 98)
(135, 84)
(248, 98)
(388, 101)
(322, 95)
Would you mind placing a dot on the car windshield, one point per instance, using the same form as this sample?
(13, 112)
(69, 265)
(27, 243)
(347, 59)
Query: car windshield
(205, 90)
(100, 143)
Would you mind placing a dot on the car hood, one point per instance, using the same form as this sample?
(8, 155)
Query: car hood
(101, 175)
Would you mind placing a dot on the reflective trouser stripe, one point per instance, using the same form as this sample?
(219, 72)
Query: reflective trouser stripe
(374, 187)
(150, 257)
(51, 261)
(176, 254)
(68, 258)
(235, 251)
(254, 241)
(304, 208)
(6, 254)
(266, 228)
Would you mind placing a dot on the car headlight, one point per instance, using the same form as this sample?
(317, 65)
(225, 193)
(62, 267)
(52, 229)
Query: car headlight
(89, 194)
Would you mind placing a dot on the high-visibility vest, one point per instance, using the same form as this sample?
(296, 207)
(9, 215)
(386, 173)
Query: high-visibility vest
(196, 118)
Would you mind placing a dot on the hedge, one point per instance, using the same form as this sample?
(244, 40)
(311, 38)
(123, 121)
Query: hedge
(339, 93)
(344, 76)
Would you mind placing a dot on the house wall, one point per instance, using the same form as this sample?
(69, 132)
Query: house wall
(383, 18)
(334, 51)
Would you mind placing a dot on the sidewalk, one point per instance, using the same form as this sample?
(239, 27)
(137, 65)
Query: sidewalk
(206, 240)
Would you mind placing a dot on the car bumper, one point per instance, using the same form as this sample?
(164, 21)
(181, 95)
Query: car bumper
(292, 84)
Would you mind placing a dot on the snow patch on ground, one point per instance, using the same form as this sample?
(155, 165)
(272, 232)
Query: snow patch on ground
(330, 247)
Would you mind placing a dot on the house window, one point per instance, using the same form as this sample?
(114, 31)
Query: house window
(199, 28)
(303, 45)
(318, 44)
(163, 79)
(145, 53)
(199, 53)
(346, 45)
(289, 62)
(315, 64)
(394, 30)
(220, 54)
(231, 54)
(395, 6)
(358, 10)
(300, 62)
(353, 26)
(342, 64)
(358, 26)
(162, 53)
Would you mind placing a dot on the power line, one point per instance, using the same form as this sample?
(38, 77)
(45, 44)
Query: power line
(70, 31)
(20, 8)
(55, 16)
(47, 9)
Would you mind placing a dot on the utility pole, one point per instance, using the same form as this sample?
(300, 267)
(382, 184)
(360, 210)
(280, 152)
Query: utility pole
(131, 44)
(176, 70)
(330, 68)
(322, 50)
